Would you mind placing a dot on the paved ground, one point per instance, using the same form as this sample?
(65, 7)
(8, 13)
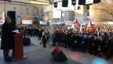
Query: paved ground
(36, 54)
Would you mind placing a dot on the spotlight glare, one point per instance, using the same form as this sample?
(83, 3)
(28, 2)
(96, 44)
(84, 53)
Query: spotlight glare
(99, 61)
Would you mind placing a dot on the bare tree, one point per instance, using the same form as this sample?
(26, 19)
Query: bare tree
(103, 11)
(48, 15)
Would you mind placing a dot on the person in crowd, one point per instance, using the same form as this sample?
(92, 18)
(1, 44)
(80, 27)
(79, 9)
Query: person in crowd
(65, 39)
(45, 37)
(94, 46)
(54, 38)
(100, 46)
(40, 34)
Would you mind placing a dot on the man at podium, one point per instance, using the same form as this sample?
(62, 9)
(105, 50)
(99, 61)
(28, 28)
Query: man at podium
(7, 39)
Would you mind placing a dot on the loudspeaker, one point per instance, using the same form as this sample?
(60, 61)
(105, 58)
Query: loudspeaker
(73, 2)
(65, 3)
(55, 4)
(58, 55)
(12, 15)
(27, 41)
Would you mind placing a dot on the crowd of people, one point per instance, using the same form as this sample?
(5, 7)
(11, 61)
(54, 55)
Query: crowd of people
(98, 44)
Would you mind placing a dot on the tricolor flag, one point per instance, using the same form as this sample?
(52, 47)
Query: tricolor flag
(90, 25)
(77, 23)
(81, 28)
(85, 2)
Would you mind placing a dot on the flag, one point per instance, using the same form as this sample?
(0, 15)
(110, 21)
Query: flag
(91, 26)
(77, 23)
(81, 29)
(85, 2)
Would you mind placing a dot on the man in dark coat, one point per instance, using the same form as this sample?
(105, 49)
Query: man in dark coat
(54, 38)
(66, 40)
(45, 38)
(100, 46)
(7, 42)
(94, 45)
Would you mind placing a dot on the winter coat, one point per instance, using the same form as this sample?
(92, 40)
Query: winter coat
(7, 40)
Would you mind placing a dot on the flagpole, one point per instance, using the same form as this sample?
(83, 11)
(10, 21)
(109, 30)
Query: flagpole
(75, 12)
(74, 4)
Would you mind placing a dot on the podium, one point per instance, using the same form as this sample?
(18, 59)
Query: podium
(18, 47)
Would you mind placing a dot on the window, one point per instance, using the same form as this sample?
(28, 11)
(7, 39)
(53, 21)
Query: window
(0, 10)
(78, 8)
(7, 8)
(14, 9)
(21, 12)
(88, 14)
(33, 10)
(27, 11)
(88, 7)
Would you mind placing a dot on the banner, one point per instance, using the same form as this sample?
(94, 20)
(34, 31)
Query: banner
(27, 22)
(18, 16)
(69, 22)
(57, 23)
(43, 23)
